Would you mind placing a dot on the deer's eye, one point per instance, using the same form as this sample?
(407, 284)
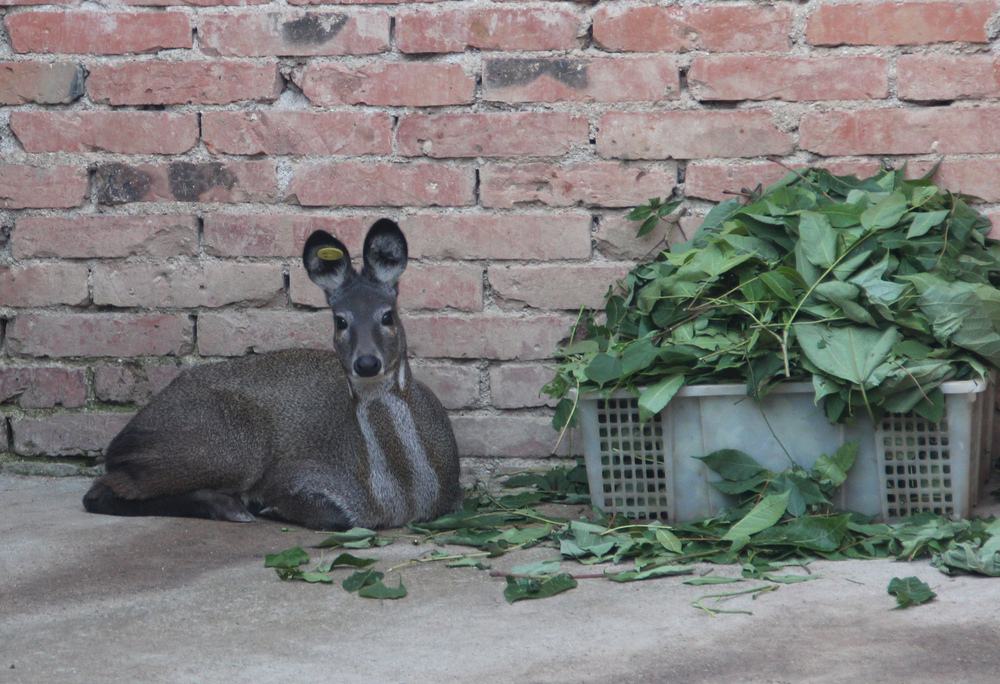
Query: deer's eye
(340, 322)
(387, 318)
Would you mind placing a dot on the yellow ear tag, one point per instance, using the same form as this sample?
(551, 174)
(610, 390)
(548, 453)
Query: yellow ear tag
(330, 254)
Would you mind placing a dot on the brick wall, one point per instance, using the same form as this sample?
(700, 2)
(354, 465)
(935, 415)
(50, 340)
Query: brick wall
(162, 161)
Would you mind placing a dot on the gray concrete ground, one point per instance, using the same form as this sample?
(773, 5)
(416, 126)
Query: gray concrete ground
(87, 598)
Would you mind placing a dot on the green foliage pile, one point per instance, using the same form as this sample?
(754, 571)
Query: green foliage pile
(876, 290)
(780, 520)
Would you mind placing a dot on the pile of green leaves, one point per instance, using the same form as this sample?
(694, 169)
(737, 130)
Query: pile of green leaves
(779, 520)
(876, 290)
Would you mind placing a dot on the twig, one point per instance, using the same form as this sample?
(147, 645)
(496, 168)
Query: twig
(585, 575)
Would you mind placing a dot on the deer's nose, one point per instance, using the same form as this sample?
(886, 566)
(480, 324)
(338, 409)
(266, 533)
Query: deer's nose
(366, 366)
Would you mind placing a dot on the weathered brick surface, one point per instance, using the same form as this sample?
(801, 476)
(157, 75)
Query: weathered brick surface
(560, 79)
(326, 133)
(940, 130)
(122, 132)
(174, 83)
(99, 33)
(99, 334)
(250, 34)
(43, 386)
(66, 434)
(900, 23)
(719, 27)
(104, 236)
(746, 77)
(132, 383)
(357, 184)
(55, 186)
(482, 28)
(546, 134)
(163, 162)
(691, 135)
(560, 286)
(600, 183)
(947, 77)
(186, 284)
(40, 82)
(426, 286)
(43, 284)
(182, 181)
(490, 336)
(395, 84)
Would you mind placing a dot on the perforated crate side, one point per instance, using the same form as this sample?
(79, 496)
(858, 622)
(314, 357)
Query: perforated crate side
(627, 462)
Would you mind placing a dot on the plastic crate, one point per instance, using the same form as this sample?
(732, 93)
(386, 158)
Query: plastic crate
(905, 464)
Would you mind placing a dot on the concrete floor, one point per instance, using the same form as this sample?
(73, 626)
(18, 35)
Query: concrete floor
(87, 598)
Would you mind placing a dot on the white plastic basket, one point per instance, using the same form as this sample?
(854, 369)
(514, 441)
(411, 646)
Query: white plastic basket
(905, 464)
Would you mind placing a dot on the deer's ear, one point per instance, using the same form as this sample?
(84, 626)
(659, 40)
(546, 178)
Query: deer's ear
(327, 261)
(385, 252)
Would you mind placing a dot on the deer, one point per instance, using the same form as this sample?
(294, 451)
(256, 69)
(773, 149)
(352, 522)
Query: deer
(324, 439)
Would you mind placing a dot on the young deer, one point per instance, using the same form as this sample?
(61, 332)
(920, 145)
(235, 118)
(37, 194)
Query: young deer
(321, 439)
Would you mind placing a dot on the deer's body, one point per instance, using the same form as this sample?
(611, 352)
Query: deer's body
(318, 438)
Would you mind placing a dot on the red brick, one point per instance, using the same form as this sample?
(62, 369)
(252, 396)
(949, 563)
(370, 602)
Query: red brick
(40, 82)
(66, 434)
(506, 134)
(181, 181)
(455, 385)
(122, 132)
(616, 237)
(563, 235)
(99, 334)
(947, 77)
(690, 135)
(519, 385)
(195, 3)
(236, 332)
(133, 383)
(505, 435)
(717, 181)
(489, 335)
(900, 23)
(423, 286)
(754, 77)
(201, 82)
(186, 284)
(250, 34)
(976, 176)
(98, 33)
(43, 387)
(13, 3)
(358, 2)
(43, 284)
(716, 28)
(456, 30)
(41, 187)
(555, 286)
(283, 132)
(902, 131)
(357, 184)
(83, 237)
(558, 79)
(392, 84)
(603, 183)
(430, 235)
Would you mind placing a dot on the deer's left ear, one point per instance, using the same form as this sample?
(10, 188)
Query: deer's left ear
(327, 261)
(385, 253)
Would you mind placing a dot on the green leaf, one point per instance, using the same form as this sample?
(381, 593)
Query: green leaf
(885, 214)
(362, 578)
(780, 285)
(762, 516)
(377, 590)
(818, 239)
(289, 558)
(923, 222)
(351, 536)
(910, 591)
(668, 540)
(834, 469)
(702, 581)
(655, 398)
(604, 368)
(658, 571)
(732, 464)
(521, 588)
(345, 560)
(850, 353)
